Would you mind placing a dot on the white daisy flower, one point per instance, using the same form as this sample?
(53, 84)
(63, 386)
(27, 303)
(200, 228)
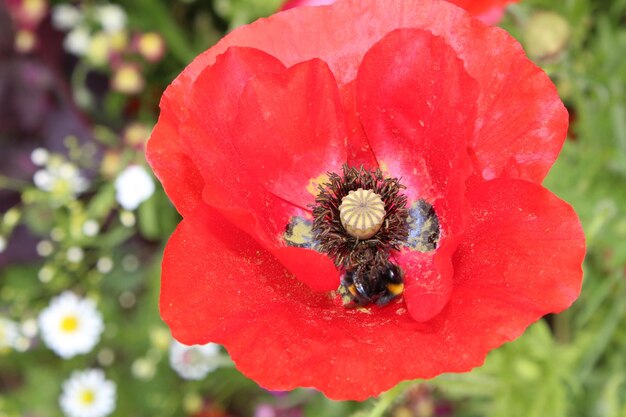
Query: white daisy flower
(62, 179)
(77, 41)
(66, 16)
(112, 17)
(133, 186)
(9, 334)
(194, 362)
(87, 394)
(39, 156)
(74, 254)
(91, 228)
(104, 265)
(70, 325)
(29, 328)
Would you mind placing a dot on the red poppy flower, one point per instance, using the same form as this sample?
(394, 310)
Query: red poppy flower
(251, 145)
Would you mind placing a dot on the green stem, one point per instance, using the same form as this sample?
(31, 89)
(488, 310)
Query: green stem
(562, 329)
(388, 398)
(81, 94)
(13, 184)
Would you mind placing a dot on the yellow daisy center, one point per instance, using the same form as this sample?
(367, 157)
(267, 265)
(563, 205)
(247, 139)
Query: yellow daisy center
(69, 324)
(87, 397)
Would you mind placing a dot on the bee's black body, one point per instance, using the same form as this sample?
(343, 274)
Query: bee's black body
(363, 286)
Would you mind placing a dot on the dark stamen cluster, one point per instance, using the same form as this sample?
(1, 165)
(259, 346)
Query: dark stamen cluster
(348, 252)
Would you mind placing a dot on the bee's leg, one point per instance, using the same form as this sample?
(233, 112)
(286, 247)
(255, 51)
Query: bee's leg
(347, 290)
(363, 289)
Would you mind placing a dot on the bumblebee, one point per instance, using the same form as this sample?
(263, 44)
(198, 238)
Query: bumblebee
(363, 286)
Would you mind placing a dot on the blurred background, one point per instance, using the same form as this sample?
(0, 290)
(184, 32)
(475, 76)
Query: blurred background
(83, 223)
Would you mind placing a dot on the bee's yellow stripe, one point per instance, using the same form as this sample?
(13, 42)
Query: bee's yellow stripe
(395, 289)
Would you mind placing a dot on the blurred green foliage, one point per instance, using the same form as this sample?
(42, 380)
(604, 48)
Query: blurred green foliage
(573, 364)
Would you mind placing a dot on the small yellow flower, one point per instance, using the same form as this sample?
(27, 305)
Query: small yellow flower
(151, 46)
(34, 9)
(136, 134)
(118, 40)
(99, 49)
(25, 41)
(127, 79)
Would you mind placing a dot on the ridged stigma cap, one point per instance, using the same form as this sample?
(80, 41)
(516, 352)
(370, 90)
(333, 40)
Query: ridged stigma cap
(362, 213)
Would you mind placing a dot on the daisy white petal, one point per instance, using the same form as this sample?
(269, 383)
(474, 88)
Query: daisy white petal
(66, 16)
(194, 362)
(9, 333)
(77, 41)
(112, 17)
(133, 186)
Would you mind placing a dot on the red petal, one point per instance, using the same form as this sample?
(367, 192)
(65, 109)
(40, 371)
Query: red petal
(297, 3)
(213, 273)
(186, 133)
(312, 268)
(291, 130)
(209, 111)
(416, 104)
(212, 105)
(422, 138)
(208, 131)
(520, 258)
(359, 150)
(178, 174)
(428, 280)
(522, 123)
(473, 6)
(491, 16)
(476, 7)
